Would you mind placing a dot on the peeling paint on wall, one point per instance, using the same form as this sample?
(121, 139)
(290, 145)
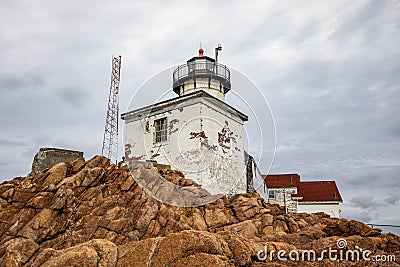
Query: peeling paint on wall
(219, 169)
(128, 152)
(141, 157)
(190, 157)
(197, 134)
(203, 140)
(224, 138)
(155, 155)
(204, 143)
(200, 134)
(171, 129)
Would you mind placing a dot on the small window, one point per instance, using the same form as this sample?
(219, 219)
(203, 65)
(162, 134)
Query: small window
(271, 193)
(160, 126)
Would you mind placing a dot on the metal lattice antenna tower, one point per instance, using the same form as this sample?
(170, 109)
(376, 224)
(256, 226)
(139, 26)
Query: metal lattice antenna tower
(110, 140)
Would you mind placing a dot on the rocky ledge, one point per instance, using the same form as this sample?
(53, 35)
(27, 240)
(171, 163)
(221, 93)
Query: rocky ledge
(95, 214)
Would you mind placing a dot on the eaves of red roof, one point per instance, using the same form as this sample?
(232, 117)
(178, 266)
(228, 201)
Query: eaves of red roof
(282, 180)
(318, 191)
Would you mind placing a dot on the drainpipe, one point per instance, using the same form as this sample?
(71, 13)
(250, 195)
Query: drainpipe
(284, 199)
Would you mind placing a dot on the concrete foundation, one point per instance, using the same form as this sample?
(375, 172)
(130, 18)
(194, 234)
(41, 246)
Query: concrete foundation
(48, 157)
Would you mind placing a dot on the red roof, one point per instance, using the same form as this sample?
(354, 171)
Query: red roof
(318, 191)
(282, 180)
(306, 191)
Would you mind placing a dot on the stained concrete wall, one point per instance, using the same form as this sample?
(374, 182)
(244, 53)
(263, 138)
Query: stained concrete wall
(205, 141)
(48, 157)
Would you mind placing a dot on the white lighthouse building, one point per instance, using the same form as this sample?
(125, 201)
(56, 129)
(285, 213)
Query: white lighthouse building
(196, 132)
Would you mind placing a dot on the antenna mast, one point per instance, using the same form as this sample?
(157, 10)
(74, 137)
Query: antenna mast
(218, 48)
(110, 140)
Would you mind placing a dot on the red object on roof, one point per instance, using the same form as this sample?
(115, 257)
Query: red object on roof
(201, 56)
(282, 180)
(201, 52)
(318, 191)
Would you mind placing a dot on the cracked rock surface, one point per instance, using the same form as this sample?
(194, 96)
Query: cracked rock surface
(92, 213)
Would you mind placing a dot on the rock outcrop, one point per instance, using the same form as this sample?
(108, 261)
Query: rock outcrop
(95, 214)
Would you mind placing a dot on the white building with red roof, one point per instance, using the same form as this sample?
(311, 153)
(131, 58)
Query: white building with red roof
(310, 197)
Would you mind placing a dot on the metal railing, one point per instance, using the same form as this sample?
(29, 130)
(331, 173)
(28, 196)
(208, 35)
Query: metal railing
(192, 70)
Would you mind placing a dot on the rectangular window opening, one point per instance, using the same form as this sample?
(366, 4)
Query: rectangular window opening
(271, 193)
(160, 126)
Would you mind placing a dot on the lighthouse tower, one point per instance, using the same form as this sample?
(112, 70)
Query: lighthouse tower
(202, 73)
(196, 132)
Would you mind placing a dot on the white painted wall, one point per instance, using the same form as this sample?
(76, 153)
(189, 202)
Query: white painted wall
(332, 209)
(258, 183)
(202, 84)
(219, 167)
(283, 196)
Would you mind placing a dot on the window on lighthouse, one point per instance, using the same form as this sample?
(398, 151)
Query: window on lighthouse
(160, 126)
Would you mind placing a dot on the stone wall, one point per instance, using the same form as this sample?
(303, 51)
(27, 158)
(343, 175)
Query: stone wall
(48, 157)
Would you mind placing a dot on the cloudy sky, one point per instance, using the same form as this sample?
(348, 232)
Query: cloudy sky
(330, 71)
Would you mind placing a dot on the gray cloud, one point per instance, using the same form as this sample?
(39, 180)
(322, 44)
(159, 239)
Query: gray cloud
(367, 20)
(11, 143)
(393, 199)
(394, 128)
(376, 175)
(365, 202)
(13, 82)
(75, 96)
(360, 215)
